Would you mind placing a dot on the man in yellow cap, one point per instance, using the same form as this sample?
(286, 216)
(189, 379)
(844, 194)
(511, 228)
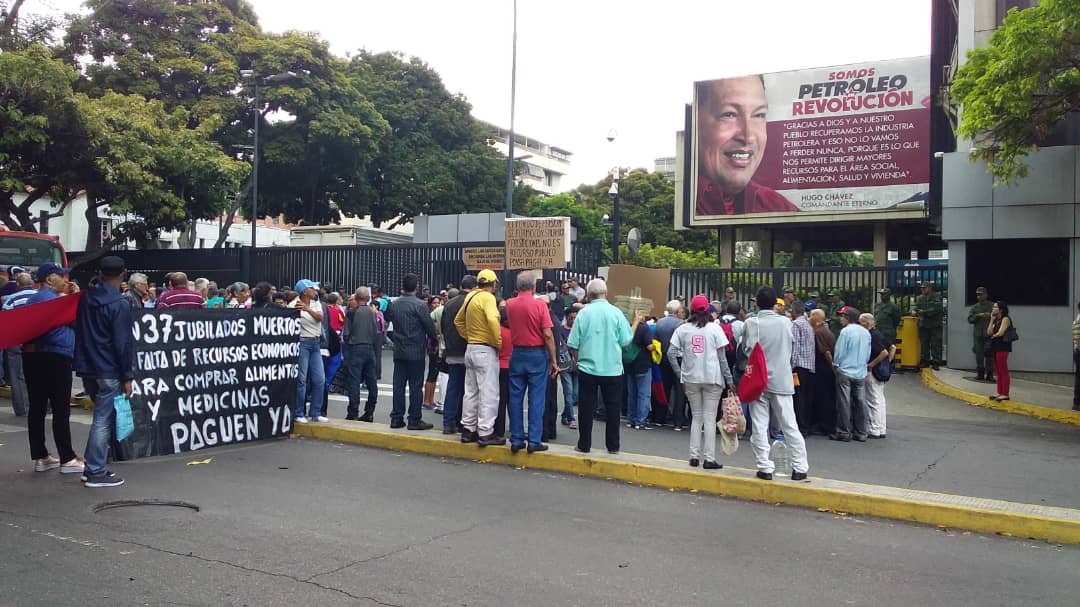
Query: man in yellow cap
(478, 322)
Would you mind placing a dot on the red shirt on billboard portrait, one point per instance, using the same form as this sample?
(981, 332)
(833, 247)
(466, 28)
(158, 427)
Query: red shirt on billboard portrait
(756, 198)
(528, 319)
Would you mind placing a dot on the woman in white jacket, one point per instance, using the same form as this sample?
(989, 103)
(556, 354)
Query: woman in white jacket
(697, 356)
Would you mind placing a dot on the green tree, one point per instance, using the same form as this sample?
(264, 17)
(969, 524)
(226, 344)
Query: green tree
(41, 136)
(433, 160)
(150, 168)
(589, 222)
(647, 202)
(19, 30)
(1017, 88)
(661, 256)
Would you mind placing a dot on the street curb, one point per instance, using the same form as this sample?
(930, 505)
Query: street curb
(1008, 519)
(84, 403)
(1062, 416)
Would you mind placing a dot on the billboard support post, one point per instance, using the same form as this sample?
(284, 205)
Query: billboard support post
(881, 249)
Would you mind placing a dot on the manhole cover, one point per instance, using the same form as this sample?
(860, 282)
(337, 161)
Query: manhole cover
(147, 502)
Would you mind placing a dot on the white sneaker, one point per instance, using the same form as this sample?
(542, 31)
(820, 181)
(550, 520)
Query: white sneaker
(299, 420)
(46, 463)
(322, 419)
(75, 466)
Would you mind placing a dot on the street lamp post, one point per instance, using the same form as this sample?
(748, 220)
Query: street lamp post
(510, 153)
(614, 192)
(255, 153)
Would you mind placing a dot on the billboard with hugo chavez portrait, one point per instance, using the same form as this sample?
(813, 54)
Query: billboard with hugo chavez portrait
(843, 143)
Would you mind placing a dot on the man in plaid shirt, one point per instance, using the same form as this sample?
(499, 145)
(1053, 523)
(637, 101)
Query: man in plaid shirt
(802, 363)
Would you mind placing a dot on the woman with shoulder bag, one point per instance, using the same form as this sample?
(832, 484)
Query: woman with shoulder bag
(704, 373)
(1002, 334)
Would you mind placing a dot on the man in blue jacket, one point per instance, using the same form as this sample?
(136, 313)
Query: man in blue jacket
(104, 358)
(47, 366)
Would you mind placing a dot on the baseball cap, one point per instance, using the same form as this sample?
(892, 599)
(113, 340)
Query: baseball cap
(486, 277)
(468, 281)
(844, 310)
(809, 306)
(48, 269)
(303, 284)
(13, 270)
(699, 303)
(885, 291)
(980, 290)
(112, 266)
(780, 302)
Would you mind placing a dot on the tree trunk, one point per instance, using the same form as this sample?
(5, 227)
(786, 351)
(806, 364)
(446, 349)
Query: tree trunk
(93, 222)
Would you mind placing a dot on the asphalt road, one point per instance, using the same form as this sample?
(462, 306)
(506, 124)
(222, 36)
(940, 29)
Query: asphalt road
(934, 443)
(303, 522)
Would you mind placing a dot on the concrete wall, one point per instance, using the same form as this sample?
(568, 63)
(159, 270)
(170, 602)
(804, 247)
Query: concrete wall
(1045, 204)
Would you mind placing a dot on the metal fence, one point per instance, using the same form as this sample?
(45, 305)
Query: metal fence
(346, 267)
(857, 286)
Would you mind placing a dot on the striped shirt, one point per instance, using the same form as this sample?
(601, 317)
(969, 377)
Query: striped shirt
(181, 298)
(18, 298)
(802, 353)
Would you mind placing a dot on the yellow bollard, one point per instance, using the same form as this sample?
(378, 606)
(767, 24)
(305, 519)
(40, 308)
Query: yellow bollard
(907, 343)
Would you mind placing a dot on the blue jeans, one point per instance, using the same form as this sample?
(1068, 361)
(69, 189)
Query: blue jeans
(455, 392)
(411, 373)
(311, 378)
(103, 391)
(569, 381)
(528, 367)
(638, 397)
(331, 366)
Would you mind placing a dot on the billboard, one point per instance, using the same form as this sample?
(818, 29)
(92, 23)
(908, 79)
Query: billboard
(843, 143)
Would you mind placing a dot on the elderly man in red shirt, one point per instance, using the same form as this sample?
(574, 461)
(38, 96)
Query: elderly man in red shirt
(731, 128)
(531, 363)
(180, 296)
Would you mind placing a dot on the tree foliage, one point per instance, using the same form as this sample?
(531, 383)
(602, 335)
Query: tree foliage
(661, 256)
(1016, 89)
(589, 222)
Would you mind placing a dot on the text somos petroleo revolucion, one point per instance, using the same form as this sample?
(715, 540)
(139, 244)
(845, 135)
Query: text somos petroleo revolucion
(851, 91)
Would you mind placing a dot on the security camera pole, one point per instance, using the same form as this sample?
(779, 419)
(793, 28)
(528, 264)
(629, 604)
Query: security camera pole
(614, 192)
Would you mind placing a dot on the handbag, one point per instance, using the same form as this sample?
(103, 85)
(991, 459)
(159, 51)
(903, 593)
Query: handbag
(630, 353)
(883, 371)
(1010, 334)
(125, 422)
(756, 377)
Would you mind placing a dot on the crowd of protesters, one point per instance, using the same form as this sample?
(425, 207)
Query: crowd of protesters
(480, 360)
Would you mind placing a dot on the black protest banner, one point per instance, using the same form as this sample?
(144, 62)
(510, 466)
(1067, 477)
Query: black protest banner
(205, 378)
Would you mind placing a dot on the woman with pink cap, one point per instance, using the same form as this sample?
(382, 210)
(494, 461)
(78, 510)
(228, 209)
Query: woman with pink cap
(697, 355)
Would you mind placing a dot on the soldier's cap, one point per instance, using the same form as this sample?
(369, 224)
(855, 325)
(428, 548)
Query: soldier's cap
(814, 294)
(789, 290)
(926, 284)
(729, 290)
(885, 291)
(980, 291)
(833, 292)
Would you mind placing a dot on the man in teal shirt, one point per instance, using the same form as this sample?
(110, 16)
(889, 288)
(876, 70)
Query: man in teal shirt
(596, 342)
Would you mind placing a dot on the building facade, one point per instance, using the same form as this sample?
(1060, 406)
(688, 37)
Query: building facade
(1021, 242)
(544, 165)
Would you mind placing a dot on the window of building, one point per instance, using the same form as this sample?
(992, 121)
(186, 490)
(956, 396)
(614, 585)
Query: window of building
(1023, 272)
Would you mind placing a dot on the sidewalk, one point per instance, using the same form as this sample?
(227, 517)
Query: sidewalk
(1032, 398)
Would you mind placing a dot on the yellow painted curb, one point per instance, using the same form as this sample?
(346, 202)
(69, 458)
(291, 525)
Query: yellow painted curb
(1062, 416)
(84, 403)
(849, 498)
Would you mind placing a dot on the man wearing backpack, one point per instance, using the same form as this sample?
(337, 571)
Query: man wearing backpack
(773, 332)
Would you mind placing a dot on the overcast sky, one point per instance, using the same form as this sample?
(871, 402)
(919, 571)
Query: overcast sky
(588, 66)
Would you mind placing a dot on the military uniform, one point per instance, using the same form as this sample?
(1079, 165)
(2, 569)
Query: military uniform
(887, 317)
(831, 309)
(931, 313)
(984, 359)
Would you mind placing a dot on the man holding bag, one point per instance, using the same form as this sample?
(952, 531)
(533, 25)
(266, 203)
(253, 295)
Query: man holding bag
(774, 384)
(104, 358)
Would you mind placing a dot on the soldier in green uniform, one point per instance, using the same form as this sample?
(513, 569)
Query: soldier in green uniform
(887, 316)
(789, 299)
(834, 305)
(979, 316)
(816, 298)
(931, 314)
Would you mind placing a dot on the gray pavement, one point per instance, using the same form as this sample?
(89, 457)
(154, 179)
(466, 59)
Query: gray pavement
(302, 522)
(1027, 391)
(934, 443)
